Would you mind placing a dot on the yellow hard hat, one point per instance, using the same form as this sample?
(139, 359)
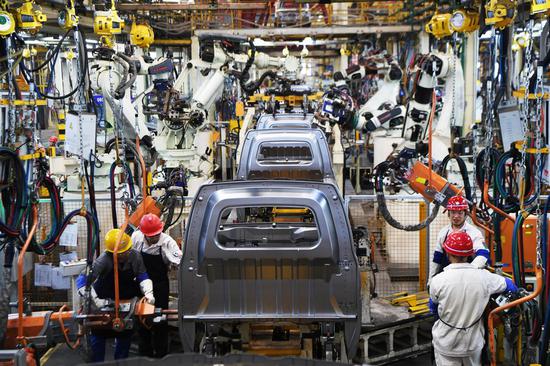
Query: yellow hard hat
(111, 238)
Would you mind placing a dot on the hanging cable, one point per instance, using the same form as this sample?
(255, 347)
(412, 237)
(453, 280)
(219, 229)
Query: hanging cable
(13, 193)
(492, 155)
(83, 61)
(56, 214)
(463, 173)
(112, 188)
(381, 170)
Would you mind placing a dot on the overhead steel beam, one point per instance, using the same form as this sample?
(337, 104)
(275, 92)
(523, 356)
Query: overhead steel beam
(310, 31)
(190, 7)
(172, 42)
(52, 14)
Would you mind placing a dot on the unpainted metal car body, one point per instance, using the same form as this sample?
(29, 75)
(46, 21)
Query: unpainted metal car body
(287, 121)
(246, 272)
(297, 154)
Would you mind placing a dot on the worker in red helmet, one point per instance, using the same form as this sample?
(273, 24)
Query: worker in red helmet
(52, 148)
(458, 297)
(159, 252)
(458, 210)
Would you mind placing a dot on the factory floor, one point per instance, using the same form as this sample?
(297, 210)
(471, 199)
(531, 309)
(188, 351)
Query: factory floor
(62, 355)
(381, 313)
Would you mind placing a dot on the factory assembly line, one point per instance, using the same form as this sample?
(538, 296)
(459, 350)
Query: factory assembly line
(274, 182)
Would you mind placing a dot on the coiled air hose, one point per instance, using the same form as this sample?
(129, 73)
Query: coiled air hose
(381, 170)
(13, 193)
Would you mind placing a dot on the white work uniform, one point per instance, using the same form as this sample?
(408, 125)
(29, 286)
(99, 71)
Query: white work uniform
(171, 253)
(439, 258)
(461, 293)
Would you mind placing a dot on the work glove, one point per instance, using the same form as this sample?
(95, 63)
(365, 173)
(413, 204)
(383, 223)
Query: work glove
(146, 287)
(479, 261)
(81, 285)
(433, 308)
(510, 285)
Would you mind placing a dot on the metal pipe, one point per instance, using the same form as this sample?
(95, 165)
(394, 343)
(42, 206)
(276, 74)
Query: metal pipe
(492, 314)
(190, 7)
(173, 42)
(117, 322)
(311, 31)
(20, 259)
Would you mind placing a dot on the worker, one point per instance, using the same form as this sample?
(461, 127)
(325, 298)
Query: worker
(458, 297)
(133, 282)
(159, 252)
(52, 148)
(458, 209)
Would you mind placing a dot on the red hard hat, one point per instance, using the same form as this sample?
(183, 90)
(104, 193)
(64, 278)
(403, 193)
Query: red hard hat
(457, 203)
(151, 225)
(459, 243)
(53, 139)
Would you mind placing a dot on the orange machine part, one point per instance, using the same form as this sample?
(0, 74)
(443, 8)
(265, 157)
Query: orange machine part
(529, 243)
(33, 325)
(148, 205)
(419, 177)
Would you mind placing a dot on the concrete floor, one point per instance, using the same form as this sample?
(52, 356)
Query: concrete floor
(64, 356)
(381, 311)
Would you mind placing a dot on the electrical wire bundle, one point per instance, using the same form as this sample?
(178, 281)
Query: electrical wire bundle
(174, 196)
(13, 193)
(92, 226)
(56, 213)
(112, 188)
(52, 59)
(171, 200)
(505, 181)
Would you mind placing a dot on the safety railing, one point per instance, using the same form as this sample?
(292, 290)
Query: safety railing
(401, 259)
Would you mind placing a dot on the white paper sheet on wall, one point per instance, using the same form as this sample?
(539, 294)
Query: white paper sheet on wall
(42, 275)
(59, 282)
(69, 237)
(511, 127)
(73, 130)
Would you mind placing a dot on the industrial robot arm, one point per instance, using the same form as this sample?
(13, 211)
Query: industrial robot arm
(432, 67)
(381, 110)
(221, 55)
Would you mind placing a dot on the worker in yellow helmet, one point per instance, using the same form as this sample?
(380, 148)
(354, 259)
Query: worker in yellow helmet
(133, 282)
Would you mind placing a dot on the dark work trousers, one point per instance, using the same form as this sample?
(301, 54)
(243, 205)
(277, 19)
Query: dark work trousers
(105, 289)
(154, 342)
